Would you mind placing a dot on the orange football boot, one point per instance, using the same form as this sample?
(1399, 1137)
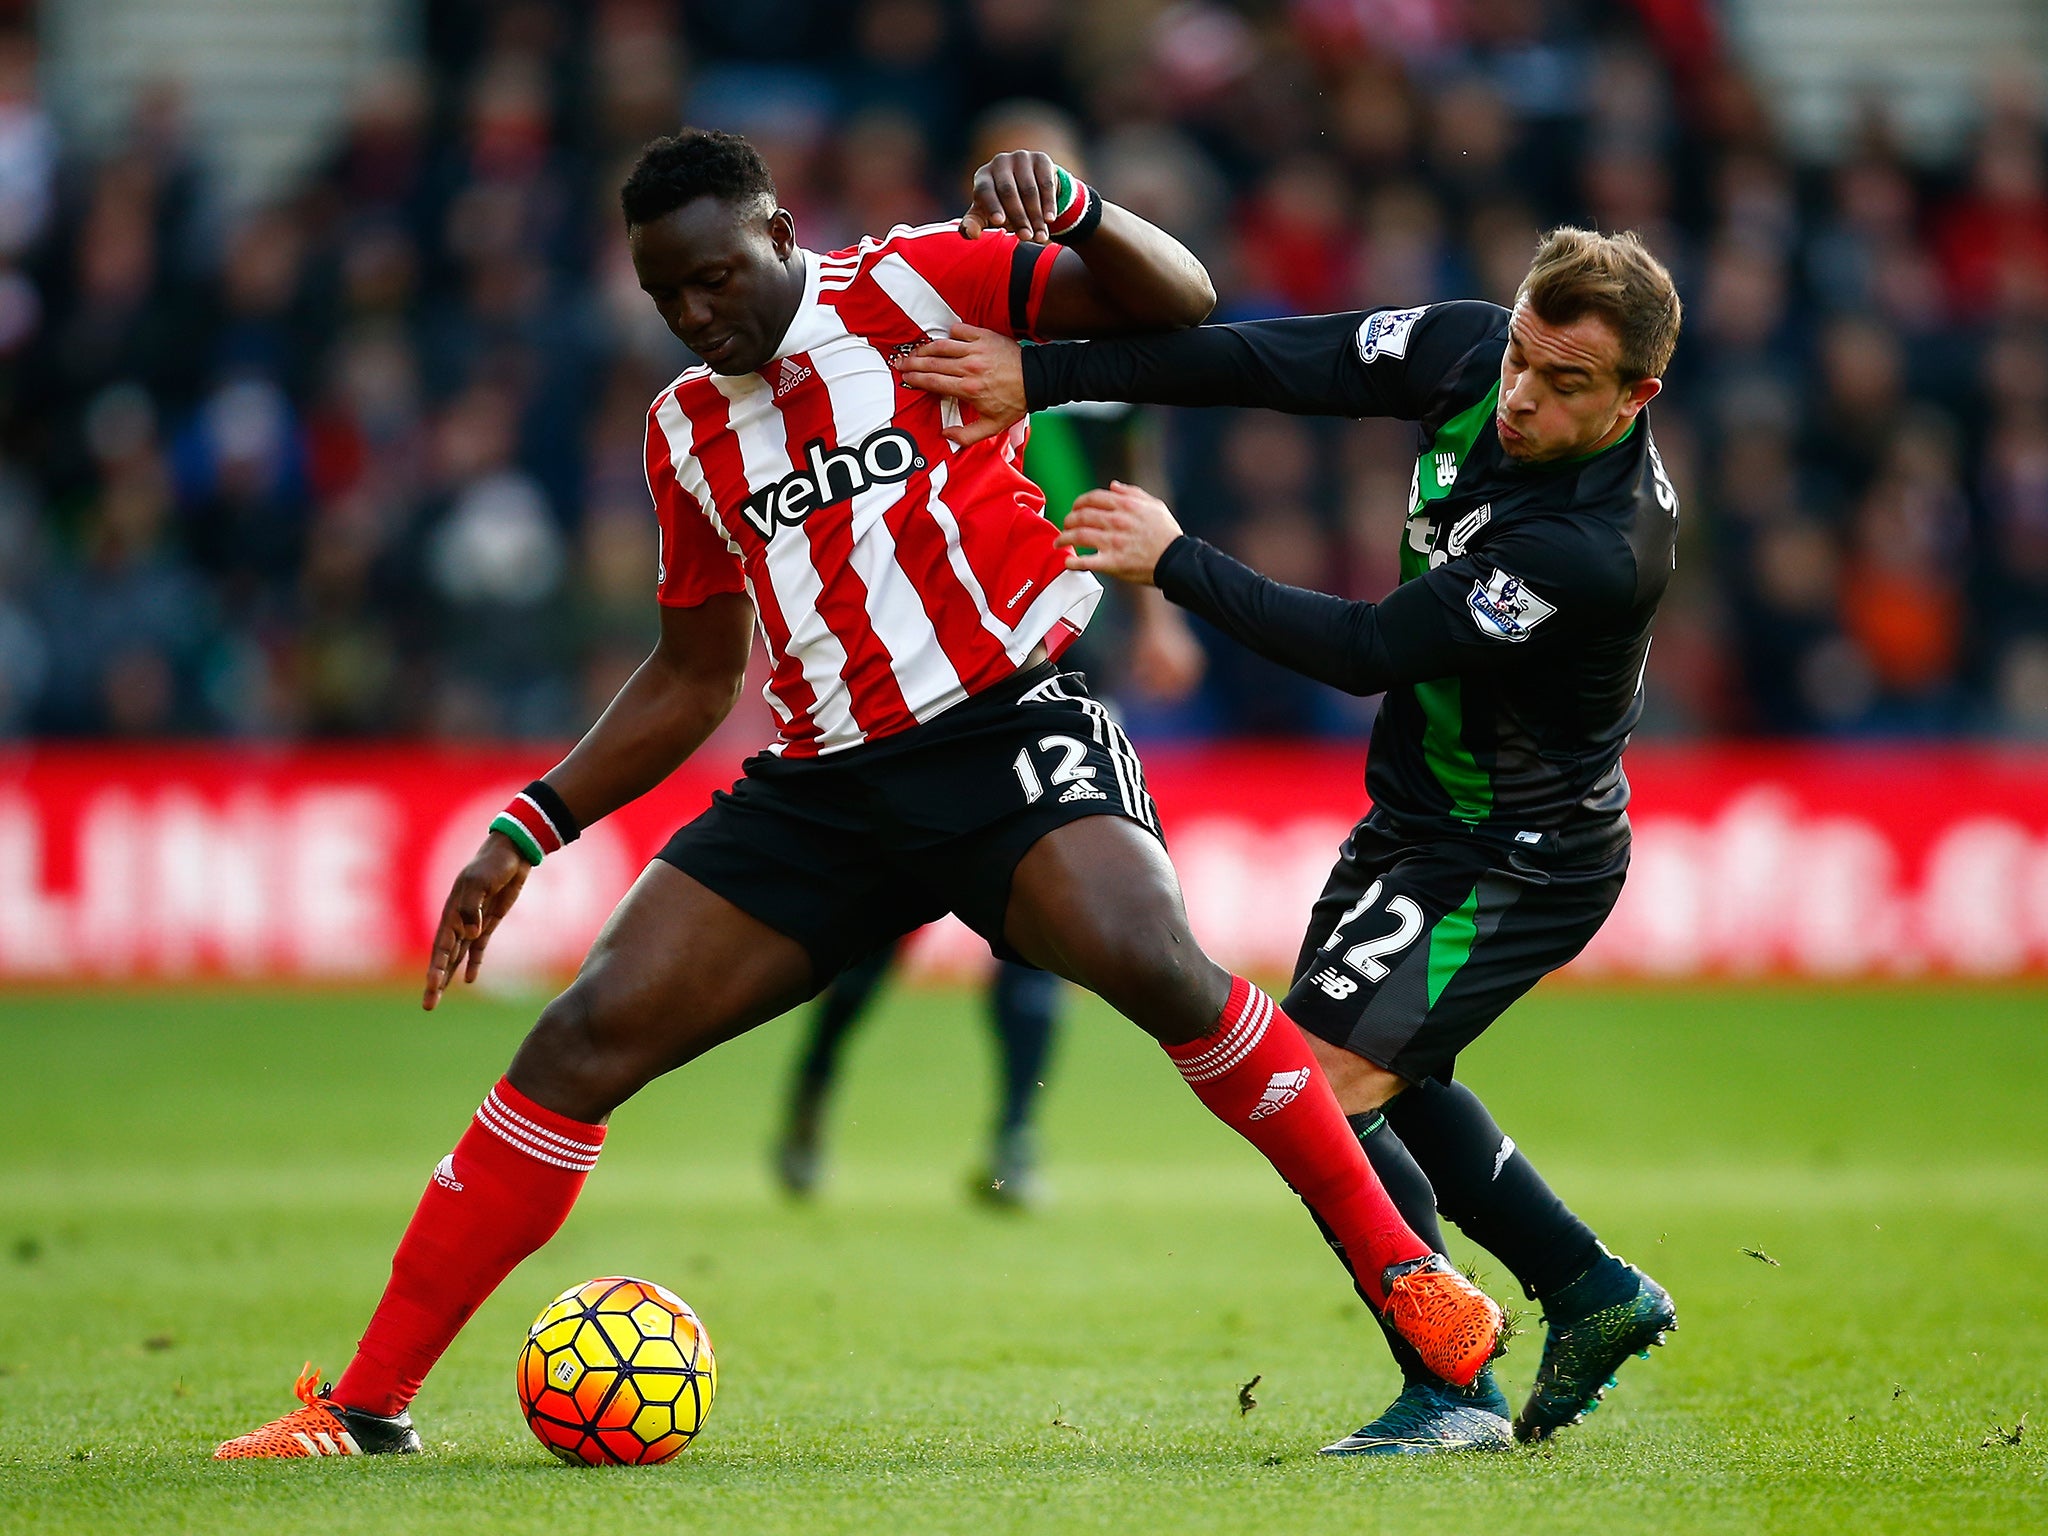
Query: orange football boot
(323, 1428)
(1454, 1325)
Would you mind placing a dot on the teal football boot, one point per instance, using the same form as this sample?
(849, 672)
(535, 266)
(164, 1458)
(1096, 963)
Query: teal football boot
(1430, 1418)
(1582, 1352)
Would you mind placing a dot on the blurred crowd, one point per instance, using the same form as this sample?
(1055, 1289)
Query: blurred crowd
(365, 460)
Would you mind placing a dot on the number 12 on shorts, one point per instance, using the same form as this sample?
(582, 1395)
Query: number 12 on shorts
(1068, 770)
(1365, 958)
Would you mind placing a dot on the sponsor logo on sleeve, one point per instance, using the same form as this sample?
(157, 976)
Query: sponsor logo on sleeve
(1503, 607)
(1467, 527)
(1386, 334)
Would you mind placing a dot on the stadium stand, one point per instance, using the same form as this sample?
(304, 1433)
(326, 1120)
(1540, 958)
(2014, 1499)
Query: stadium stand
(360, 458)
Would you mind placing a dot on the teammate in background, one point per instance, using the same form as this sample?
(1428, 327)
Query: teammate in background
(931, 756)
(1071, 449)
(1540, 539)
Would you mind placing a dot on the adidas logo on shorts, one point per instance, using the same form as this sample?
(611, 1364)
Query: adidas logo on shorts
(1081, 789)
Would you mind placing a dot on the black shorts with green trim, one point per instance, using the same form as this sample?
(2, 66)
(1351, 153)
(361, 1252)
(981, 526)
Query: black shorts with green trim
(1417, 944)
(849, 852)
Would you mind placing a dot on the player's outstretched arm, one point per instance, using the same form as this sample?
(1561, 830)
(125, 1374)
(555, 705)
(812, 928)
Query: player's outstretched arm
(1130, 274)
(1391, 362)
(1362, 648)
(1307, 366)
(671, 703)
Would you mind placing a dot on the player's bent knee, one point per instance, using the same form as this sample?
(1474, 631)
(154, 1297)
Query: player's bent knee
(1162, 982)
(581, 1058)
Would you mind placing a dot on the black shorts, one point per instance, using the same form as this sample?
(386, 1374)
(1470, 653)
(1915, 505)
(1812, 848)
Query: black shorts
(1416, 945)
(849, 852)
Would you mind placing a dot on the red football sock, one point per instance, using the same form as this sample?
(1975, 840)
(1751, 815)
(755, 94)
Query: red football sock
(505, 1190)
(1263, 1082)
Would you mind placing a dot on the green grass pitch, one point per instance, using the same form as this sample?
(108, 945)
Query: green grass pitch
(198, 1190)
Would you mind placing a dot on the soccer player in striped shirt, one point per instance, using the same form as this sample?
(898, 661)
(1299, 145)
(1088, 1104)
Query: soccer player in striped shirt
(931, 755)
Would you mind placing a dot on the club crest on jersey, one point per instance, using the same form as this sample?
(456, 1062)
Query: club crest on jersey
(1386, 333)
(1506, 609)
(887, 457)
(903, 349)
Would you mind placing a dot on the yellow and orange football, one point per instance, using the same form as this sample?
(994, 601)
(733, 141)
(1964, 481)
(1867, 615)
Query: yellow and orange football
(616, 1371)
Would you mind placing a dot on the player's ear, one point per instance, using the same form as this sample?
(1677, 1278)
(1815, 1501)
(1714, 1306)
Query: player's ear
(1637, 395)
(782, 233)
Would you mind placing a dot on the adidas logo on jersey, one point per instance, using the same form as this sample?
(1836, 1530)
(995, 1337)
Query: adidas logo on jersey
(791, 374)
(1282, 1091)
(887, 457)
(444, 1173)
(1081, 789)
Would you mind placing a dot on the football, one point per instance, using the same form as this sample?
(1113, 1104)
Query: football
(616, 1371)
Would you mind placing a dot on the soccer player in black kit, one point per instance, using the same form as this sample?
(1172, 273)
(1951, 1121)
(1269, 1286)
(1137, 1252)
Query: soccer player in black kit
(1540, 538)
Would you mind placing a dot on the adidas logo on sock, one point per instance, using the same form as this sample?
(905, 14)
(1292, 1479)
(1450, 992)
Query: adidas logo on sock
(1081, 789)
(1282, 1091)
(444, 1173)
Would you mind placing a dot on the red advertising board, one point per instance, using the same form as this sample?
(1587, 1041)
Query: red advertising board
(163, 862)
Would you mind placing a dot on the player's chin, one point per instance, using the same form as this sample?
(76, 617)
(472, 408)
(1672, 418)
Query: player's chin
(1516, 445)
(735, 367)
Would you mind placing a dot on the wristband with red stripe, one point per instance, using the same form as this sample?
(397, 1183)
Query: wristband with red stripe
(1079, 210)
(537, 823)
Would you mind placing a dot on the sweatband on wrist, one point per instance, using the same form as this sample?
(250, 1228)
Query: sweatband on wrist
(537, 823)
(1078, 210)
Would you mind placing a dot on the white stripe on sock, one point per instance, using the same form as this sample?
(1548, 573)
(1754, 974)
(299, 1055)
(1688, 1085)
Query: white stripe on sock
(1237, 1043)
(488, 1115)
(541, 1132)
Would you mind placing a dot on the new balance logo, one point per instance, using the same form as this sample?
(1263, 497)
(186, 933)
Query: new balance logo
(1282, 1091)
(1446, 470)
(444, 1173)
(1334, 984)
(1081, 789)
(887, 457)
(791, 374)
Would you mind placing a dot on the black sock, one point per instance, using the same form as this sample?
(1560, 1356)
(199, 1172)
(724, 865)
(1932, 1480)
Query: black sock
(1408, 1187)
(1493, 1192)
(1023, 1003)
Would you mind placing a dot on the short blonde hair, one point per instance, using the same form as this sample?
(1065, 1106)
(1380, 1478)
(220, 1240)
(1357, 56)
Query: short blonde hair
(1578, 272)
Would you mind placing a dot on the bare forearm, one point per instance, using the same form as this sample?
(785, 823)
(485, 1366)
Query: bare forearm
(657, 720)
(1138, 278)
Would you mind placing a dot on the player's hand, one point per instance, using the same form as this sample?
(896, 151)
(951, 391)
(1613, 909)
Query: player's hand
(1119, 531)
(1015, 191)
(982, 369)
(483, 894)
(1167, 661)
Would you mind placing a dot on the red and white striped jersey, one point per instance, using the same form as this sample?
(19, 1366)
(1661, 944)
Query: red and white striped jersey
(893, 573)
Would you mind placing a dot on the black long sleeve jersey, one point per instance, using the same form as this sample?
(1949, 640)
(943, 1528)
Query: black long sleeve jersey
(1512, 653)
